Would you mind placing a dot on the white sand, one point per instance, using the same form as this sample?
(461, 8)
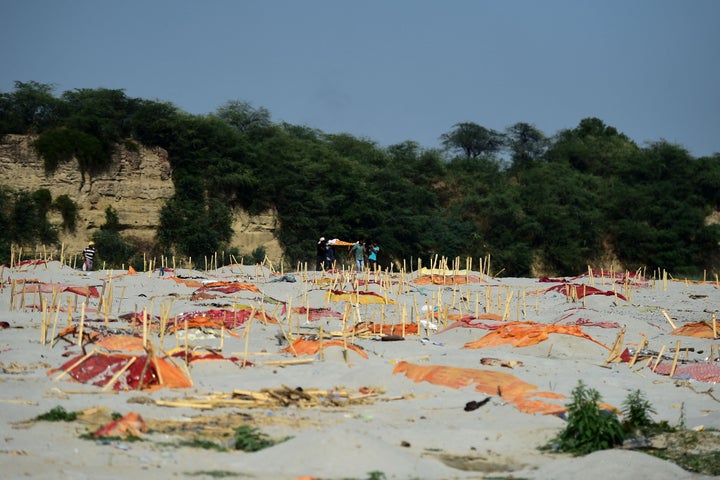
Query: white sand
(404, 438)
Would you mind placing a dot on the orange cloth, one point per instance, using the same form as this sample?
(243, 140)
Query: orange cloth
(307, 346)
(132, 424)
(171, 376)
(126, 343)
(523, 334)
(187, 282)
(696, 329)
(510, 388)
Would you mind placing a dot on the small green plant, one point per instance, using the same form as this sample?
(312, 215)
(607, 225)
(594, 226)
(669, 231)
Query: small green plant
(251, 440)
(114, 438)
(213, 473)
(636, 411)
(204, 444)
(376, 475)
(681, 425)
(589, 428)
(58, 414)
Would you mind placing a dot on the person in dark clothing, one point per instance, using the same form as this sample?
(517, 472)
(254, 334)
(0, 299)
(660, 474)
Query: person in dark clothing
(89, 256)
(320, 254)
(329, 256)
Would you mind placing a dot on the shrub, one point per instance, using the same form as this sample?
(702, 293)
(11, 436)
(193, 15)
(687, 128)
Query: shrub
(58, 414)
(636, 411)
(250, 440)
(68, 210)
(589, 428)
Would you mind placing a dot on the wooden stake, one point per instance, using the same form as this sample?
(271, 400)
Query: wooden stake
(186, 340)
(115, 377)
(637, 352)
(82, 324)
(57, 313)
(659, 357)
(144, 328)
(72, 367)
(247, 335)
(675, 360)
(667, 317)
(43, 322)
(506, 313)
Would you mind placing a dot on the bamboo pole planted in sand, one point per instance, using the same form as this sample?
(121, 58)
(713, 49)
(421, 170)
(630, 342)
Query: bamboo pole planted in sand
(667, 317)
(119, 373)
(675, 359)
(82, 324)
(74, 365)
(57, 313)
(247, 336)
(659, 357)
(637, 352)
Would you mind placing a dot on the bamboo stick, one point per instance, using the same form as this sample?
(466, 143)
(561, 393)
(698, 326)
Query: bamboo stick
(43, 322)
(247, 336)
(57, 313)
(117, 375)
(659, 357)
(72, 367)
(667, 317)
(506, 313)
(153, 358)
(637, 352)
(82, 324)
(144, 328)
(675, 359)
(292, 361)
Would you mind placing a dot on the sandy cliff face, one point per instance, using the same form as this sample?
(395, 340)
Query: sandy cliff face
(136, 185)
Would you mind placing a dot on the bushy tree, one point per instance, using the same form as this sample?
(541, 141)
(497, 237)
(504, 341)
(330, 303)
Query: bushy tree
(30, 108)
(472, 140)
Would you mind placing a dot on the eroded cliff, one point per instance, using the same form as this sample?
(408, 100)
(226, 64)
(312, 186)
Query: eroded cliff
(136, 185)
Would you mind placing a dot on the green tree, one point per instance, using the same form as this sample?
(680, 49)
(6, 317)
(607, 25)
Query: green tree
(68, 210)
(30, 108)
(566, 210)
(593, 148)
(243, 116)
(526, 143)
(472, 140)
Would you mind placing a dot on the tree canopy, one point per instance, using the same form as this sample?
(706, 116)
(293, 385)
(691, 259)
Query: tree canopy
(534, 202)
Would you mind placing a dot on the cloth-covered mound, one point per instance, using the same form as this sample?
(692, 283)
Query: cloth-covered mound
(523, 334)
(524, 396)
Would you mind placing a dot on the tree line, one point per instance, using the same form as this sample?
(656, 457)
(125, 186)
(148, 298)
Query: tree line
(534, 203)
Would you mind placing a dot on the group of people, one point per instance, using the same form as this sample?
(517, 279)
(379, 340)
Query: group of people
(359, 251)
(325, 255)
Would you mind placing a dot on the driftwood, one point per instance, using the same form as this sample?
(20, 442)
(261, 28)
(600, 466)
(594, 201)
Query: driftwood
(281, 397)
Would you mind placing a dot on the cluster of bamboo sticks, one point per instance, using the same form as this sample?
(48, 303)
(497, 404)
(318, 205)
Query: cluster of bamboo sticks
(497, 299)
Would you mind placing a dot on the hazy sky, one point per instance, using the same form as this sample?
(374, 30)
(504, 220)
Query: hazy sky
(390, 70)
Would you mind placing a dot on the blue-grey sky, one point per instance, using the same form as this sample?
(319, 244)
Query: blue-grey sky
(390, 70)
